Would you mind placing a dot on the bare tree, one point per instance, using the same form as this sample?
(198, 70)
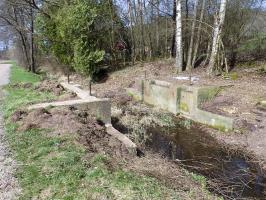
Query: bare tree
(198, 33)
(191, 44)
(219, 21)
(179, 44)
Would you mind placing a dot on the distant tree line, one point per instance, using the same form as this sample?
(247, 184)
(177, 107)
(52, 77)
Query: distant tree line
(84, 35)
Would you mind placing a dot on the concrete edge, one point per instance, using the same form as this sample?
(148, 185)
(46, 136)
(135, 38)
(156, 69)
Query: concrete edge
(65, 103)
(216, 121)
(83, 94)
(131, 146)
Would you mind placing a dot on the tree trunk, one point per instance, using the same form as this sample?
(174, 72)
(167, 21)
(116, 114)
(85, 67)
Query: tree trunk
(131, 32)
(179, 46)
(24, 48)
(157, 29)
(166, 37)
(142, 42)
(219, 20)
(33, 67)
(173, 47)
(190, 49)
(198, 34)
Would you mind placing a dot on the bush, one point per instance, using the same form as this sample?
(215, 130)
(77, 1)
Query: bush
(70, 35)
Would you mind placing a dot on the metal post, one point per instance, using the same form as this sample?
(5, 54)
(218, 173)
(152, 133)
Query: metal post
(90, 87)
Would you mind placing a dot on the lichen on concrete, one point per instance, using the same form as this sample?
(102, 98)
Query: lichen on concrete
(184, 107)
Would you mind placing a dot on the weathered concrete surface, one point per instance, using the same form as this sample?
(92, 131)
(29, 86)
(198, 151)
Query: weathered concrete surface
(75, 88)
(182, 99)
(161, 94)
(101, 108)
(131, 146)
(9, 187)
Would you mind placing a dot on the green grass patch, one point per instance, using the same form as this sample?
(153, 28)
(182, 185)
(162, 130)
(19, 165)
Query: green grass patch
(19, 98)
(20, 75)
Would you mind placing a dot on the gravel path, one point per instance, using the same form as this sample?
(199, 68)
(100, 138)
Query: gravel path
(9, 188)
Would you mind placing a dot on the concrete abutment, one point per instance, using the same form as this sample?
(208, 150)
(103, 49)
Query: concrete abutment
(181, 99)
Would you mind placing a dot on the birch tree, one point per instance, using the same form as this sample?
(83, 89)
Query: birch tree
(179, 45)
(218, 24)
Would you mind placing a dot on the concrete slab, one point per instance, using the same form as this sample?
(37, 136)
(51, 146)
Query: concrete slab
(131, 146)
(101, 108)
(161, 94)
(83, 94)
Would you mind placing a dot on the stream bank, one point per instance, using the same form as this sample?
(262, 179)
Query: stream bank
(230, 171)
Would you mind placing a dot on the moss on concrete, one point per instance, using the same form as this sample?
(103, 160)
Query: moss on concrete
(184, 107)
(178, 99)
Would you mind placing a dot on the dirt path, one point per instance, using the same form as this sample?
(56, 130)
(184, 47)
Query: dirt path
(9, 188)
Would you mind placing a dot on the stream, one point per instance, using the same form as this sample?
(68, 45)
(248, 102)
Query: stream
(230, 173)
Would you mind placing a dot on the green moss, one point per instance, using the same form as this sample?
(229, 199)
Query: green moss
(184, 107)
(263, 104)
(220, 128)
(234, 76)
(134, 94)
(230, 76)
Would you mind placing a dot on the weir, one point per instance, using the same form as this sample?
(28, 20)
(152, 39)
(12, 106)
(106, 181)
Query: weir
(181, 99)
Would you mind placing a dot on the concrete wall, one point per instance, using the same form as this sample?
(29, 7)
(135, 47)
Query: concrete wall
(161, 94)
(184, 100)
(100, 108)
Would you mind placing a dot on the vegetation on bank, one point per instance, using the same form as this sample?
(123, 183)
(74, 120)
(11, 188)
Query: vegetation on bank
(54, 167)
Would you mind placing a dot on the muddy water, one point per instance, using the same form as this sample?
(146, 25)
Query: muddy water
(230, 173)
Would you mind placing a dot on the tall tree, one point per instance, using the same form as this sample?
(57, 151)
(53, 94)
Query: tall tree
(179, 43)
(197, 42)
(32, 43)
(219, 21)
(191, 44)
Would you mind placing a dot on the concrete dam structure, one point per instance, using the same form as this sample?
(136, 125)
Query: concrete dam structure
(181, 99)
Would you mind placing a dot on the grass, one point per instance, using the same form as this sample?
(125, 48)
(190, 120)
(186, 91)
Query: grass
(19, 75)
(54, 167)
(20, 97)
